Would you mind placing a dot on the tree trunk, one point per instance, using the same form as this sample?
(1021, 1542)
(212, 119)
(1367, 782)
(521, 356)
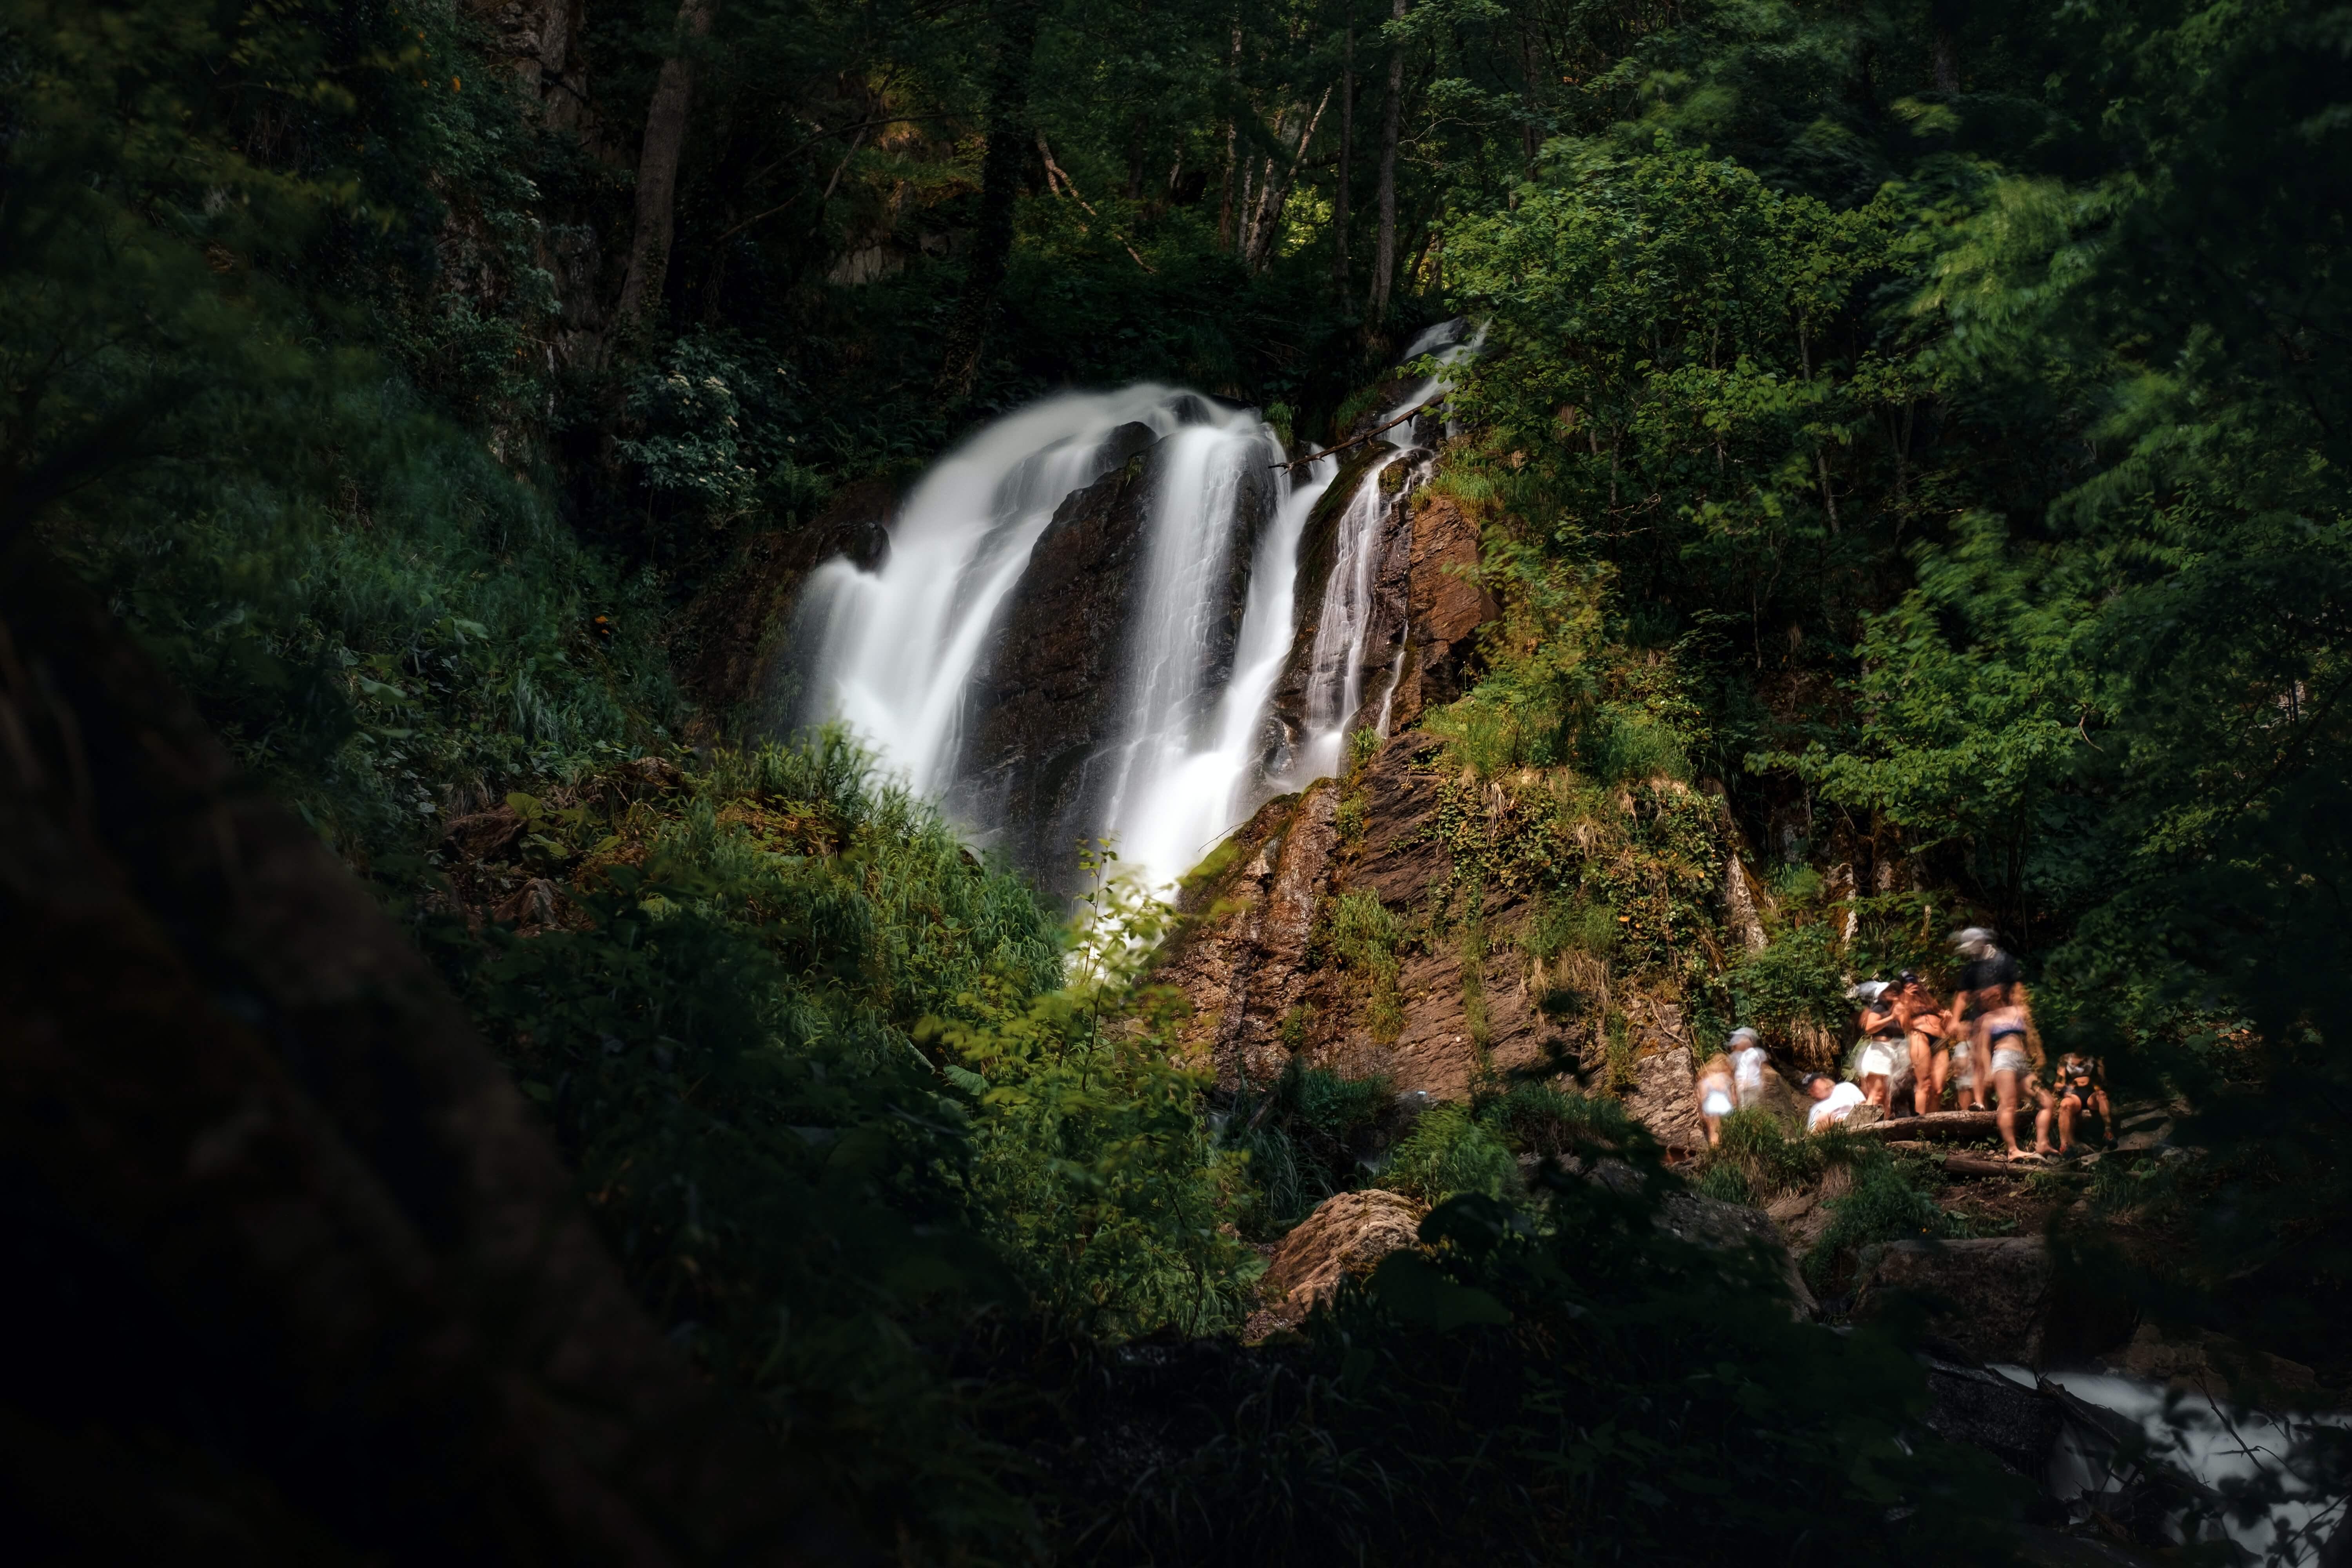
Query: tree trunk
(1346, 164)
(665, 119)
(1009, 140)
(1944, 19)
(1225, 202)
(1391, 127)
(1278, 192)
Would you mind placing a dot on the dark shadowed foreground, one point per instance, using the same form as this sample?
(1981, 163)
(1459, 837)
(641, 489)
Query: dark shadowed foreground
(290, 1272)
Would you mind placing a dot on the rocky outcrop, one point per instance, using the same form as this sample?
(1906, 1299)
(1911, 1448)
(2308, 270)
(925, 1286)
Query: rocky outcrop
(1447, 604)
(1990, 1296)
(1665, 1099)
(1710, 1222)
(1348, 1233)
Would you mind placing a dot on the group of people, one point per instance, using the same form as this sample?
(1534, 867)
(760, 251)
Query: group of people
(1916, 1047)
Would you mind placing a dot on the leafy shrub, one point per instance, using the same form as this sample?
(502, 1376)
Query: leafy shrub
(1362, 934)
(1307, 1135)
(1451, 1151)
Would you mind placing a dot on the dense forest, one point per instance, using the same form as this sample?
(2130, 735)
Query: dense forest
(484, 1082)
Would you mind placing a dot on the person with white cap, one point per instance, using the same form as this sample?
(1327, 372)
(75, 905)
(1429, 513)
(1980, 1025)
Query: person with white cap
(1747, 1051)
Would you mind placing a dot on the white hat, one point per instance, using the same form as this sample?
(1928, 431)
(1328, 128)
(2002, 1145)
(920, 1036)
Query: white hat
(1743, 1032)
(1973, 937)
(1868, 991)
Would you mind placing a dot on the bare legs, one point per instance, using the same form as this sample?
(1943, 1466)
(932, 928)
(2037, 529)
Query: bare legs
(2010, 1085)
(1926, 1081)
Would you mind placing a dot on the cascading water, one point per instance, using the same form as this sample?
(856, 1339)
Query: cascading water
(894, 654)
(1335, 693)
(901, 654)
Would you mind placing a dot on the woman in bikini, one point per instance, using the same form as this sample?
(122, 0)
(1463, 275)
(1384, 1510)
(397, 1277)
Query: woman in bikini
(1923, 1030)
(2005, 1037)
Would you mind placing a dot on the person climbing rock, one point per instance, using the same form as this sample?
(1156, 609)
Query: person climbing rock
(2002, 1017)
(1716, 1095)
(2082, 1086)
(1882, 1038)
(1923, 1031)
(1832, 1102)
(1747, 1049)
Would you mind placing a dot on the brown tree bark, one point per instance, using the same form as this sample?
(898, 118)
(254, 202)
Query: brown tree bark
(1392, 127)
(311, 1284)
(665, 122)
(1009, 140)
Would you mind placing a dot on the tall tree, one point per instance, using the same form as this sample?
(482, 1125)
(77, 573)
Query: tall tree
(665, 122)
(1009, 140)
(1345, 177)
(1391, 127)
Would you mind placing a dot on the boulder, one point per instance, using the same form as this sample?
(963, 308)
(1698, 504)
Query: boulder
(1710, 1222)
(1988, 1297)
(1348, 1233)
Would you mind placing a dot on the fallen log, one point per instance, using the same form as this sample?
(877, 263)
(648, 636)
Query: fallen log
(1944, 1125)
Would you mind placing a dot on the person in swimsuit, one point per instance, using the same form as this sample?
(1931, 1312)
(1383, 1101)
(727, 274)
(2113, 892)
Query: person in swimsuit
(1747, 1065)
(1923, 1031)
(2082, 1086)
(1985, 971)
(1717, 1096)
(1882, 1038)
(2005, 1036)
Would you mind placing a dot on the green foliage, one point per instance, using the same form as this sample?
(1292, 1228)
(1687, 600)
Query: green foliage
(723, 1048)
(1094, 1164)
(1887, 1202)
(1450, 1150)
(1363, 936)
(1307, 1135)
(1562, 1382)
(1797, 977)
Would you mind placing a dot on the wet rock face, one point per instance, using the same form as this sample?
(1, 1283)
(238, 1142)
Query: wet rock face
(1052, 697)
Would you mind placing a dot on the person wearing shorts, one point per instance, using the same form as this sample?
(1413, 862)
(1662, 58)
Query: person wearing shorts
(2082, 1086)
(2005, 1039)
(1922, 1033)
(1716, 1095)
(1881, 1040)
(1747, 1065)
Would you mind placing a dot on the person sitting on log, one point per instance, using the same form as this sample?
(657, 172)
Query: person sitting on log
(1923, 1029)
(2002, 1019)
(1832, 1102)
(1715, 1096)
(2082, 1086)
(1747, 1049)
(1882, 1036)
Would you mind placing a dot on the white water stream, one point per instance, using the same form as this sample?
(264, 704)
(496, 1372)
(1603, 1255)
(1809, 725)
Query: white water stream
(895, 653)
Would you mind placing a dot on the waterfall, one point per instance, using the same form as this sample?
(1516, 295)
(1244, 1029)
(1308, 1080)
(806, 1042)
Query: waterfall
(1174, 747)
(1335, 693)
(895, 653)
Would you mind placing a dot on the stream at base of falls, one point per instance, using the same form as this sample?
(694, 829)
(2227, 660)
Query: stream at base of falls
(1175, 522)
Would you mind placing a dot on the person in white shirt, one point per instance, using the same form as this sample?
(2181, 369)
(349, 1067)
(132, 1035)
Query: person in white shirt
(1747, 1065)
(1832, 1102)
